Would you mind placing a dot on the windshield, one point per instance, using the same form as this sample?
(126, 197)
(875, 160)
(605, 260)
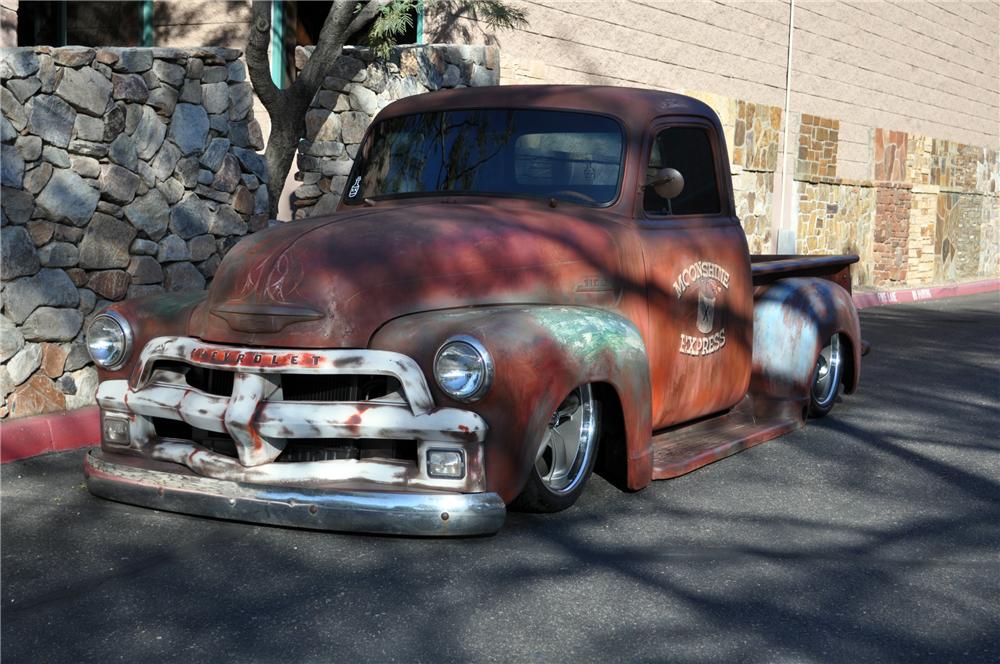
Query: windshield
(569, 156)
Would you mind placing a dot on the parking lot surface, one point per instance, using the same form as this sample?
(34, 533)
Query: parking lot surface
(870, 535)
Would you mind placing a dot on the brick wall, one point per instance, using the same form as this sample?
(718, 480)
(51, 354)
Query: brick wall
(890, 241)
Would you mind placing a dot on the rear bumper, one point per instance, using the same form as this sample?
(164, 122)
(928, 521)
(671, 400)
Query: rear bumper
(129, 480)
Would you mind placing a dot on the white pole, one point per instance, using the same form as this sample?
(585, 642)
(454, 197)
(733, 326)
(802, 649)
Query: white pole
(785, 207)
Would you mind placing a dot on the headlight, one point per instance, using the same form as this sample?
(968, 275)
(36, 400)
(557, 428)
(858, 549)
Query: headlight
(109, 340)
(463, 368)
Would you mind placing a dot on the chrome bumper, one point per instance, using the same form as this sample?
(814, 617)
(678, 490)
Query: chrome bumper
(129, 479)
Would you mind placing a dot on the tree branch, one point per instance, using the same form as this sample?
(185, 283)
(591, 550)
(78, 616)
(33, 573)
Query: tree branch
(258, 65)
(328, 47)
(364, 16)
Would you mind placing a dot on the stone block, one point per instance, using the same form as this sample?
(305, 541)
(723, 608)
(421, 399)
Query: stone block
(164, 100)
(118, 184)
(67, 197)
(215, 97)
(228, 176)
(173, 248)
(201, 247)
(169, 73)
(73, 56)
(240, 100)
(51, 118)
(36, 179)
(12, 170)
(109, 284)
(51, 324)
(24, 363)
(59, 254)
(11, 340)
(85, 381)
(88, 128)
(144, 247)
(47, 287)
(181, 277)
(86, 167)
(53, 359)
(17, 204)
(189, 218)
(56, 156)
(226, 222)
(30, 147)
(189, 128)
(85, 90)
(150, 131)
(150, 214)
(36, 397)
(129, 88)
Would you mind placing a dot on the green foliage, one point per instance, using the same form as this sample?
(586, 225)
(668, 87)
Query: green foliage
(396, 17)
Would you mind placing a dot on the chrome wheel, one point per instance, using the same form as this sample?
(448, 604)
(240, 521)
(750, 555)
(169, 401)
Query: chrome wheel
(826, 377)
(565, 454)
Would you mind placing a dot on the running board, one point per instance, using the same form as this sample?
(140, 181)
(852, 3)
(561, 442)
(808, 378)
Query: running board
(679, 451)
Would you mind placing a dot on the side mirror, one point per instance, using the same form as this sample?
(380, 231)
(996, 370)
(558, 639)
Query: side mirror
(668, 183)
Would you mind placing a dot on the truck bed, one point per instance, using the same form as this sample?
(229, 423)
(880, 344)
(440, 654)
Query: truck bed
(766, 268)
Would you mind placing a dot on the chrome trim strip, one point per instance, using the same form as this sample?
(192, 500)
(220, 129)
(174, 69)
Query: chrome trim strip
(123, 323)
(488, 367)
(122, 478)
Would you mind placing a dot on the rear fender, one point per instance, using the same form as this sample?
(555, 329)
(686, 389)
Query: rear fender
(540, 353)
(793, 320)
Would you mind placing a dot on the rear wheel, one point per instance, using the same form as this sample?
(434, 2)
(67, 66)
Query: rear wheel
(826, 378)
(565, 456)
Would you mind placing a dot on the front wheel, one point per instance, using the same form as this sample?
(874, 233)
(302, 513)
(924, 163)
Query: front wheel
(826, 378)
(565, 456)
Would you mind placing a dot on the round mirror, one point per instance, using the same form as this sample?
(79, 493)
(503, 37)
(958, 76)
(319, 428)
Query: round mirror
(668, 183)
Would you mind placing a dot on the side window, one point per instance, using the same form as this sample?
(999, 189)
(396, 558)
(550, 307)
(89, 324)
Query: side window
(687, 150)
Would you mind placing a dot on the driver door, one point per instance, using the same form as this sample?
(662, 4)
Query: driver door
(697, 277)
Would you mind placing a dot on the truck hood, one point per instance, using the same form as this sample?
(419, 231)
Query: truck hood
(333, 281)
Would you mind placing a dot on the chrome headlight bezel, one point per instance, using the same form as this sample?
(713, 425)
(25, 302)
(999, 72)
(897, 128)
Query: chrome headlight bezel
(485, 368)
(126, 340)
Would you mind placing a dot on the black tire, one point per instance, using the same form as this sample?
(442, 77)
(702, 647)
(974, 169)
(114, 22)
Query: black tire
(827, 378)
(545, 494)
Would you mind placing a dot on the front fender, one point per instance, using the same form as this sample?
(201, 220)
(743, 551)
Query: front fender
(541, 353)
(793, 320)
(162, 315)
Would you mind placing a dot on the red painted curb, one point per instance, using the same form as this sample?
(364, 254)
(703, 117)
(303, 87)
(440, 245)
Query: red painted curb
(54, 432)
(878, 298)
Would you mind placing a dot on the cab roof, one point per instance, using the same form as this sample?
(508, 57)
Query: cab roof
(634, 106)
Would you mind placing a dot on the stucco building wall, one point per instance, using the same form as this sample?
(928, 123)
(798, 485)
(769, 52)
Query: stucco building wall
(893, 115)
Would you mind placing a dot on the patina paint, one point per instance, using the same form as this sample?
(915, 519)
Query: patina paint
(794, 319)
(659, 313)
(541, 354)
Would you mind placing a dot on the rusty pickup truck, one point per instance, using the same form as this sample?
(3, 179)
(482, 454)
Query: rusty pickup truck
(521, 285)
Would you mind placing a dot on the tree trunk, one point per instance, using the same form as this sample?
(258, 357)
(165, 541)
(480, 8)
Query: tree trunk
(287, 108)
(282, 144)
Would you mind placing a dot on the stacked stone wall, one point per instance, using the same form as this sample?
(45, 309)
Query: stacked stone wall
(920, 237)
(357, 87)
(126, 172)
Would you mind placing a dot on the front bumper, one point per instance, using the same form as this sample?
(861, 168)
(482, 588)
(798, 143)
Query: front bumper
(160, 465)
(136, 481)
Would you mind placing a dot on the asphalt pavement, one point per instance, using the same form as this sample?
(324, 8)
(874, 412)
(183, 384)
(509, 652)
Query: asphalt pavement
(872, 535)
